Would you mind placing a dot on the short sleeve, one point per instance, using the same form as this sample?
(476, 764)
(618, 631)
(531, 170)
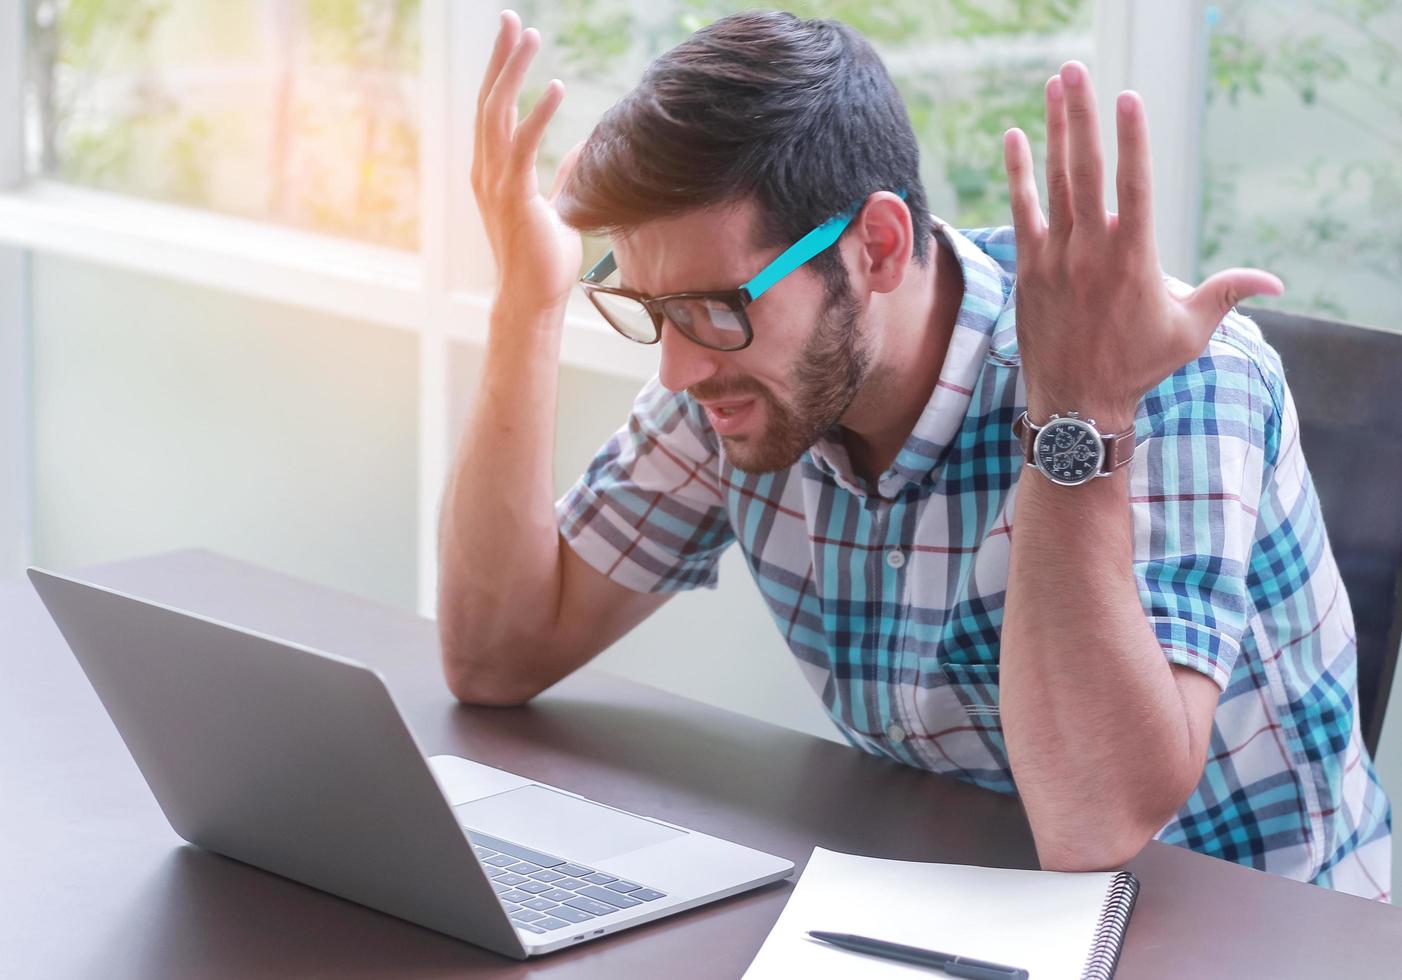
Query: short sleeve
(1206, 442)
(648, 511)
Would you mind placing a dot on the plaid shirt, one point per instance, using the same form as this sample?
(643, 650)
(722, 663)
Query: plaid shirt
(893, 601)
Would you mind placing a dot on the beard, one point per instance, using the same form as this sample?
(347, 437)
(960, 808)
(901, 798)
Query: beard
(826, 379)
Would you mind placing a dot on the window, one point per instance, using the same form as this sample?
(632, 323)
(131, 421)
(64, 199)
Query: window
(300, 113)
(1302, 169)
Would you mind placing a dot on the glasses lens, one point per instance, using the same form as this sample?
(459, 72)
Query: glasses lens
(627, 316)
(711, 323)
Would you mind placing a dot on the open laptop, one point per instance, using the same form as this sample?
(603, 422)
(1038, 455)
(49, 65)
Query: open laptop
(298, 761)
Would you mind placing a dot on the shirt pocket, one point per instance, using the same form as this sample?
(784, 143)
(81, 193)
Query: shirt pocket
(972, 672)
(969, 671)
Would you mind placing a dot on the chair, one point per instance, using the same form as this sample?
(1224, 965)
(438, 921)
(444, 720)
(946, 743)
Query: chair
(1346, 380)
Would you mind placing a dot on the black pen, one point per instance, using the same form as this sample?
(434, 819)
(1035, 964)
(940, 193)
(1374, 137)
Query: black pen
(955, 966)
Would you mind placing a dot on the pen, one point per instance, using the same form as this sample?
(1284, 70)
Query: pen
(955, 966)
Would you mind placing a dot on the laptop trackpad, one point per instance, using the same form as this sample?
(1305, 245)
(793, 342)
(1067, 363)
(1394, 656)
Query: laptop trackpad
(562, 825)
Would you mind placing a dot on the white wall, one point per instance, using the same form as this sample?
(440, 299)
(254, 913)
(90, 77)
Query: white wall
(14, 411)
(171, 416)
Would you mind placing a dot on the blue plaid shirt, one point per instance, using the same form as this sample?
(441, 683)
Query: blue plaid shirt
(893, 601)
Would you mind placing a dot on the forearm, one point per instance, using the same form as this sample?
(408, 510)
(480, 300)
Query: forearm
(498, 548)
(1096, 730)
(1104, 739)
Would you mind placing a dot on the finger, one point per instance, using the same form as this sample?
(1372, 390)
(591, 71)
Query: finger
(507, 35)
(1214, 299)
(1083, 147)
(562, 173)
(526, 141)
(1022, 192)
(500, 108)
(1058, 180)
(1133, 174)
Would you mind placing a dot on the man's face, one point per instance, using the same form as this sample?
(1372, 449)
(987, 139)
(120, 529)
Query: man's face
(771, 401)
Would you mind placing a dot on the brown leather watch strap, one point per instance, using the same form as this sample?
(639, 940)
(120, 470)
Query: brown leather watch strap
(1026, 435)
(1119, 450)
(1119, 447)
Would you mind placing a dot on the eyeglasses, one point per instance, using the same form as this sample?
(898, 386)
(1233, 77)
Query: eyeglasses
(717, 319)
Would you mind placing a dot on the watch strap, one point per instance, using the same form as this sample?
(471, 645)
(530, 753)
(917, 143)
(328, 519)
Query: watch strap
(1119, 449)
(1119, 446)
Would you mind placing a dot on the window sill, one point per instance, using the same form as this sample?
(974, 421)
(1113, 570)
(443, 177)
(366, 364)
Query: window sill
(349, 279)
(330, 275)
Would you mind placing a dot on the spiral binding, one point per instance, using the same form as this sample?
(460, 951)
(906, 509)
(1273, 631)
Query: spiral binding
(1110, 932)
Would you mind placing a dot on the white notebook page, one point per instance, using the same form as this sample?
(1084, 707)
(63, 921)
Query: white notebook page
(1042, 921)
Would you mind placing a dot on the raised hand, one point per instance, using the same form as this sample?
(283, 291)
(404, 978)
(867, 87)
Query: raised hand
(1097, 325)
(537, 254)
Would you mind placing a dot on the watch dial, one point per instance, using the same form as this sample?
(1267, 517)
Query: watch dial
(1068, 451)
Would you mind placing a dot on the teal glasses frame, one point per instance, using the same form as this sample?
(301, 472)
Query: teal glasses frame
(733, 301)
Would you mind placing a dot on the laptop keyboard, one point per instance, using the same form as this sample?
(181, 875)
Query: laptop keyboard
(541, 892)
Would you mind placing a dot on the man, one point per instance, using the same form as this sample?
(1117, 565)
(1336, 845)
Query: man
(1133, 623)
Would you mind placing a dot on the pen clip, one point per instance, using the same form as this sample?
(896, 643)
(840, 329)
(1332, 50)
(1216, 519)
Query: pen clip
(972, 969)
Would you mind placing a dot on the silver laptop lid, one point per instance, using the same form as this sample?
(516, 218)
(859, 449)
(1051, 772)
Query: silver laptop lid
(281, 756)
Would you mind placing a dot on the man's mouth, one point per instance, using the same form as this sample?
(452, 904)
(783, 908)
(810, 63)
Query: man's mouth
(731, 416)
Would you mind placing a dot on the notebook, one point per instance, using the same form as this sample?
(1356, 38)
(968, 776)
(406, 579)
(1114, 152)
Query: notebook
(1056, 925)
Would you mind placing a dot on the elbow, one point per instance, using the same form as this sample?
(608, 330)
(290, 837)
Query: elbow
(1107, 854)
(473, 689)
(1106, 845)
(480, 679)
(1108, 835)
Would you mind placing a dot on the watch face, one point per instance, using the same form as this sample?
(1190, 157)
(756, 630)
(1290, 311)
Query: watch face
(1068, 451)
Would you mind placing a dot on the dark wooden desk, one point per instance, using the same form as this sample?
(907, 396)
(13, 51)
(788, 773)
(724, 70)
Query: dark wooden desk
(95, 883)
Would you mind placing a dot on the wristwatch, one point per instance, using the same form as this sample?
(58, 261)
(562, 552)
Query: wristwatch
(1070, 450)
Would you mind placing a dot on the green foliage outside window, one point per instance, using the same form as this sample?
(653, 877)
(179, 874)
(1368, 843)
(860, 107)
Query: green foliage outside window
(301, 113)
(1302, 167)
(1302, 155)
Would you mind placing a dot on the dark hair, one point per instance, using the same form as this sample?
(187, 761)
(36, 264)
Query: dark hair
(799, 115)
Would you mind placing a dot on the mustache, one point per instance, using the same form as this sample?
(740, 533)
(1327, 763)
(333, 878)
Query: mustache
(714, 390)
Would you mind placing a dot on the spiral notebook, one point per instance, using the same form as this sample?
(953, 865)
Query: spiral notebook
(1056, 925)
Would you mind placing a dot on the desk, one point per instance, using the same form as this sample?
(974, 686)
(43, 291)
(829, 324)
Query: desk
(97, 885)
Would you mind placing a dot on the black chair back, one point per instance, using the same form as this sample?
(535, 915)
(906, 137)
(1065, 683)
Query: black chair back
(1345, 379)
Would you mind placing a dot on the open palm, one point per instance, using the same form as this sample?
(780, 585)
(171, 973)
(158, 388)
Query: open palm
(1098, 325)
(537, 254)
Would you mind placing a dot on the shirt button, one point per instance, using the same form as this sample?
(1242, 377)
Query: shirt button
(896, 732)
(895, 558)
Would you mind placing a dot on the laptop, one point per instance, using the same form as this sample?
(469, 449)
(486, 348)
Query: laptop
(297, 761)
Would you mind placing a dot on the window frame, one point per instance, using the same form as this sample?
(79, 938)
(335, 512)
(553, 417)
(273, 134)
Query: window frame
(442, 293)
(16, 455)
(1160, 51)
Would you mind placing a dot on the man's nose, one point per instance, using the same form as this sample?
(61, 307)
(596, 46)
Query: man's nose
(684, 362)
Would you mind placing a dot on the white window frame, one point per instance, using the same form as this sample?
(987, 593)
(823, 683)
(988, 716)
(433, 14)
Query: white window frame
(1160, 51)
(16, 546)
(442, 293)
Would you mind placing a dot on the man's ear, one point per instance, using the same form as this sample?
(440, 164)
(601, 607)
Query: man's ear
(883, 241)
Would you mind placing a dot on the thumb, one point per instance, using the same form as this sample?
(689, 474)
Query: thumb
(1214, 299)
(562, 173)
